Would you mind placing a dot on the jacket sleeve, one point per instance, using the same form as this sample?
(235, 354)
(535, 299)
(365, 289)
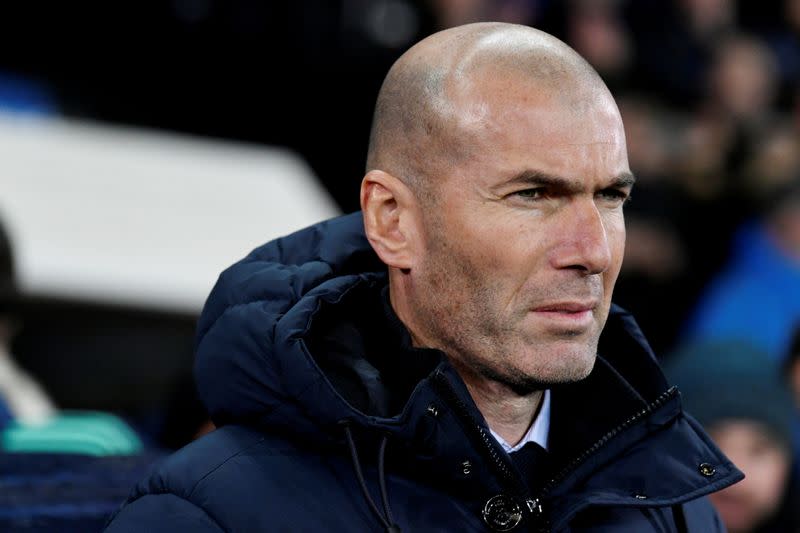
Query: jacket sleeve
(157, 513)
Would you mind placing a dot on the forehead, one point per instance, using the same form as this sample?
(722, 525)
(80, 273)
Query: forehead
(506, 123)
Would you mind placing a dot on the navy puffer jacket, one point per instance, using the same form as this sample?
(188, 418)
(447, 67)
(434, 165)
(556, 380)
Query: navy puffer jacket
(329, 421)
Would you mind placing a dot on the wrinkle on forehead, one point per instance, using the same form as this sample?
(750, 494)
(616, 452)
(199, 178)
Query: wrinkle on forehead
(485, 119)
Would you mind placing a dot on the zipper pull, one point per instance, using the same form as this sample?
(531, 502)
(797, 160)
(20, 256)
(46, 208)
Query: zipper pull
(537, 515)
(535, 507)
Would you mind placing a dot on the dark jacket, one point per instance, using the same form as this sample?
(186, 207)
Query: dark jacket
(320, 397)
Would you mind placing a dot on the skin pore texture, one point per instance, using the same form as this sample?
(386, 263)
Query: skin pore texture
(496, 177)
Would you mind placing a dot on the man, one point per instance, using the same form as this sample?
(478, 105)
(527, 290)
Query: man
(381, 374)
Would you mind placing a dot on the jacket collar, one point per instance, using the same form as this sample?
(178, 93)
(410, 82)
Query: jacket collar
(623, 414)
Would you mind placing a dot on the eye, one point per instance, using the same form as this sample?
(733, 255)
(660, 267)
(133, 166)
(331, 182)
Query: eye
(617, 196)
(530, 194)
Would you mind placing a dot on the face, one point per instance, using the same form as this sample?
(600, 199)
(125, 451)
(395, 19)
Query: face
(525, 240)
(766, 466)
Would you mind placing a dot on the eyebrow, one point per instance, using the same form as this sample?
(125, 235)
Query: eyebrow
(543, 179)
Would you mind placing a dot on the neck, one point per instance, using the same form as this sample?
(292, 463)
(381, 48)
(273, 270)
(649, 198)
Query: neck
(507, 413)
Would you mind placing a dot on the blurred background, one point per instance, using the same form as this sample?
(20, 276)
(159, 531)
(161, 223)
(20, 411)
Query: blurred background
(145, 146)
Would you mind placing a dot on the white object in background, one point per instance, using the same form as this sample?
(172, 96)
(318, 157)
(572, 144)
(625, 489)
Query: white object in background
(132, 217)
(26, 399)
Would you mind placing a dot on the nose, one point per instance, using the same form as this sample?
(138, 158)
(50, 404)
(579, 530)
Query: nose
(582, 240)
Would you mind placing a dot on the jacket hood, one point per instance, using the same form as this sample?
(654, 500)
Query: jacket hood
(251, 361)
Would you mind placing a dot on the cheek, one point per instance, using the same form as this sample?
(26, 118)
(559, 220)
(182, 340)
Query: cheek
(615, 233)
(502, 245)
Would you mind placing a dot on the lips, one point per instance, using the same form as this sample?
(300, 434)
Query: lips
(567, 307)
(567, 317)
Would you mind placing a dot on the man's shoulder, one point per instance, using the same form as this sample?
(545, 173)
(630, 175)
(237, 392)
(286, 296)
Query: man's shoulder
(210, 459)
(234, 457)
(217, 477)
(208, 454)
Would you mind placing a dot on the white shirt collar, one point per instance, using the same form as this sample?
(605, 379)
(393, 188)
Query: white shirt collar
(538, 432)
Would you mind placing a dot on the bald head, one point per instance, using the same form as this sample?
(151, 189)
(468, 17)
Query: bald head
(433, 96)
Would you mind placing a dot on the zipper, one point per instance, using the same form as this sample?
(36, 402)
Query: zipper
(533, 505)
(486, 444)
(480, 437)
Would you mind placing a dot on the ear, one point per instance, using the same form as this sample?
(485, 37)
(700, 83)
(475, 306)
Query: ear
(389, 209)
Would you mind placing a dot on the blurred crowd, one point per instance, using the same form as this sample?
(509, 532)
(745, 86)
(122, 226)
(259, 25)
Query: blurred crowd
(709, 91)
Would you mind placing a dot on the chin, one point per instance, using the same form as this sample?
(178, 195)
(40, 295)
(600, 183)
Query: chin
(578, 371)
(572, 358)
(564, 364)
(526, 381)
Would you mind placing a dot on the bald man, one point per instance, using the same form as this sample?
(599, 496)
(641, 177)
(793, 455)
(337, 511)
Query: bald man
(449, 359)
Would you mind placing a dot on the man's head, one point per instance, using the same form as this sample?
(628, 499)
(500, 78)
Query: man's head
(496, 176)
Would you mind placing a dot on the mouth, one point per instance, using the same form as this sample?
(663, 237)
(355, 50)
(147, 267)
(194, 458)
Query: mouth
(571, 314)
